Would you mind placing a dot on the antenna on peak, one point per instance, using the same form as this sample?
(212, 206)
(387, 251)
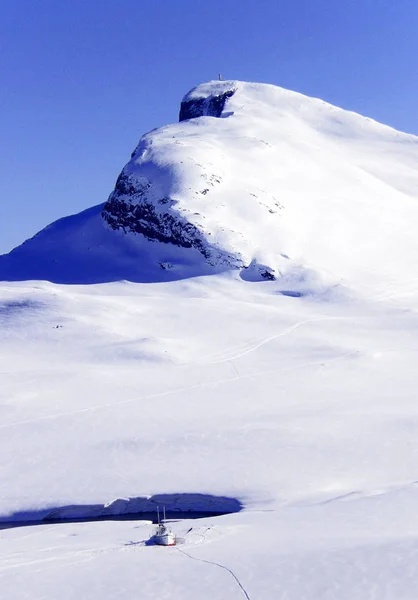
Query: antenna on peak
(220, 77)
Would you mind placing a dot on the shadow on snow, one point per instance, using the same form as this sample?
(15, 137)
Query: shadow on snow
(177, 506)
(83, 249)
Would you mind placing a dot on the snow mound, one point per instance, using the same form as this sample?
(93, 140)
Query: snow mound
(253, 178)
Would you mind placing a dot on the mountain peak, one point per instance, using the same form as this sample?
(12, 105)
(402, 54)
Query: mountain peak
(253, 178)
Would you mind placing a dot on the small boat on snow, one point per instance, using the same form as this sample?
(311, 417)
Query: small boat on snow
(163, 535)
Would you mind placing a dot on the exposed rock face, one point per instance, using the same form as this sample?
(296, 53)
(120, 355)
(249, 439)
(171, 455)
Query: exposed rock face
(130, 209)
(211, 106)
(139, 204)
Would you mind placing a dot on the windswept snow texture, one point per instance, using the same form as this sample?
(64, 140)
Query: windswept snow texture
(254, 176)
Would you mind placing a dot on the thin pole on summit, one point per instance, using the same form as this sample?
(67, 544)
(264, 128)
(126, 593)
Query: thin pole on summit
(220, 77)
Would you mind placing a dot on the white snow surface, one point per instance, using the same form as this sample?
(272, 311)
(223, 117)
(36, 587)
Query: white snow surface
(297, 396)
(303, 408)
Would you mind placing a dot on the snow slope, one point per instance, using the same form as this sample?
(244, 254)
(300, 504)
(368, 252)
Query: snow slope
(295, 397)
(304, 409)
(280, 180)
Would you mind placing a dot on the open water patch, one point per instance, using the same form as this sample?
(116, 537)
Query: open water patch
(177, 506)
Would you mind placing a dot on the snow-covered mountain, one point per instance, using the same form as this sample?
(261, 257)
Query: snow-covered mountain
(254, 178)
(288, 403)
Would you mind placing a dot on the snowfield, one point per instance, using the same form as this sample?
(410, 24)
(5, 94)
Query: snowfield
(304, 409)
(294, 397)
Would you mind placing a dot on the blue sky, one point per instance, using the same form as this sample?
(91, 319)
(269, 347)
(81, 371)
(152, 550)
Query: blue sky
(82, 80)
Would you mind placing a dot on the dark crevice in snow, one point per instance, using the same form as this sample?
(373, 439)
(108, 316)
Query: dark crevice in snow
(177, 506)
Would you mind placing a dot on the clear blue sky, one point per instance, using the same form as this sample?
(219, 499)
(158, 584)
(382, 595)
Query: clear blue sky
(81, 80)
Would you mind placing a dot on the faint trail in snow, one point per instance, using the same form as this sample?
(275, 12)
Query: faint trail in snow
(56, 560)
(340, 497)
(235, 370)
(210, 562)
(220, 356)
(111, 404)
(42, 561)
(365, 494)
(321, 362)
(41, 531)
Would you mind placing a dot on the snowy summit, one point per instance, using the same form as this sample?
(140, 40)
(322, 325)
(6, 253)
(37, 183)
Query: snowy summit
(253, 178)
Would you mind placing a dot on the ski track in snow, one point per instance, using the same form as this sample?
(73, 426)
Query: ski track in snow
(216, 564)
(45, 561)
(86, 555)
(361, 494)
(321, 362)
(247, 349)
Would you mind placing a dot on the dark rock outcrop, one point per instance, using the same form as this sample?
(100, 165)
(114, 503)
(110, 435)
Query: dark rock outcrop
(143, 218)
(134, 206)
(204, 107)
(129, 209)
